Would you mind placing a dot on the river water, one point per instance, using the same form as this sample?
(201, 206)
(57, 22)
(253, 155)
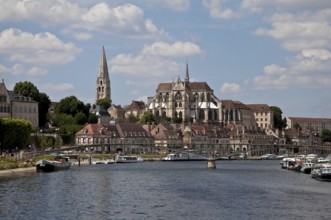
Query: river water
(166, 190)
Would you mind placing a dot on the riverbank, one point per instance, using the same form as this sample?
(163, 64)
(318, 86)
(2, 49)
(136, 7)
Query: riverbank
(17, 170)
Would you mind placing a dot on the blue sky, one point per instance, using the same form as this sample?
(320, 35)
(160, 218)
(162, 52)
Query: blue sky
(275, 52)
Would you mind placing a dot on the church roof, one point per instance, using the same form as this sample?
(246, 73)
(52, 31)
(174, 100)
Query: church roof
(193, 86)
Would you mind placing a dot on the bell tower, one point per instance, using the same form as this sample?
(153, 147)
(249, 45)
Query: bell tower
(103, 82)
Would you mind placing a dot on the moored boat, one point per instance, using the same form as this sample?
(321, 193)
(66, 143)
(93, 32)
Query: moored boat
(322, 172)
(183, 157)
(128, 159)
(59, 163)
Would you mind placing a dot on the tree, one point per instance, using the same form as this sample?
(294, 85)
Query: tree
(133, 118)
(147, 117)
(279, 123)
(92, 118)
(28, 89)
(71, 106)
(10, 129)
(105, 103)
(80, 118)
(326, 135)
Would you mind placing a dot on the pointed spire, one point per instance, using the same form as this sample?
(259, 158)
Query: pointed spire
(103, 68)
(187, 77)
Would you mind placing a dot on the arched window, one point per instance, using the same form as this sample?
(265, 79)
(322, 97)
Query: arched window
(201, 114)
(210, 115)
(160, 97)
(157, 113)
(180, 104)
(178, 96)
(208, 97)
(167, 96)
(164, 114)
(202, 97)
(180, 114)
(176, 114)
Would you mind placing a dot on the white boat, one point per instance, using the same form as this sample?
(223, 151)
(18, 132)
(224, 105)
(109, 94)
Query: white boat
(307, 167)
(108, 161)
(183, 157)
(128, 159)
(321, 172)
(268, 157)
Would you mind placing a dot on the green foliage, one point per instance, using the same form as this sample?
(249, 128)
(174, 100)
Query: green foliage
(28, 89)
(14, 133)
(92, 118)
(133, 118)
(297, 126)
(177, 120)
(161, 119)
(70, 106)
(326, 135)
(62, 119)
(80, 118)
(147, 117)
(105, 103)
(278, 121)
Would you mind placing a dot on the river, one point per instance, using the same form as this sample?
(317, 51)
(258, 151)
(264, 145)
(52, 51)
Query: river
(166, 190)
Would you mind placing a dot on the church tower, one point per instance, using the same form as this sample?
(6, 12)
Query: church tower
(103, 82)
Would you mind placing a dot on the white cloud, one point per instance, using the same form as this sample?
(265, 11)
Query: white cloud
(143, 66)
(178, 5)
(42, 48)
(82, 36)
(58, 87)
(36, 71)
(216, 9)
(127, 19)
(274, 69)
(230, 88)
(124, 19)
(172, 50)
(259, 5)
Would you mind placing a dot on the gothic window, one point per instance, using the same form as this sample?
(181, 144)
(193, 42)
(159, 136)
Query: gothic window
(201, 114)
(180, 114)
(101, 82)
(164, 114)
(167, 96)
(160, 97)
(178, 96)
(176, 114)
(180, 104)
(208, 97)
(202, 97)
(215, 115)
(157, 114)
(210, 115)
(231, 115)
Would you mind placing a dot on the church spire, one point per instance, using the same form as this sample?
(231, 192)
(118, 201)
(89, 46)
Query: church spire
(187, 77)
(103, 82)
(103, 68)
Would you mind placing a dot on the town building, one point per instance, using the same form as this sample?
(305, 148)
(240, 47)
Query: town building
(315, 125)
(13, 105)
(237, 113)
(263, 114)
(136, 108)
(117, 136)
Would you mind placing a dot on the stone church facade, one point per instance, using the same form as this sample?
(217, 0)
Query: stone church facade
(193, 102)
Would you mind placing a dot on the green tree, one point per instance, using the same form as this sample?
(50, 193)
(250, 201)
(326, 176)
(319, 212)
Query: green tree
(278, 121)
(92, 118)
(28, 89)
(326, 135)
(62, 119)
(105, 103)
(11, 129)
(133, 118)
(80, 118)
(71, 106)
(147, 117)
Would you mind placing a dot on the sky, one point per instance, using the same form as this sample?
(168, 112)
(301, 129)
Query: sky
(275, 52)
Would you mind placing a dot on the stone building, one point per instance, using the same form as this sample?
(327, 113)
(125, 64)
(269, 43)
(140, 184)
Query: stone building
(316, 125)
(189, 101)
(13, 105)
(136, 108)
(116, 136)
(236, 113)
(264, 116)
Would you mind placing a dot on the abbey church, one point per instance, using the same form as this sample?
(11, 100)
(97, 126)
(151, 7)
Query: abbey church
(189, 102)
